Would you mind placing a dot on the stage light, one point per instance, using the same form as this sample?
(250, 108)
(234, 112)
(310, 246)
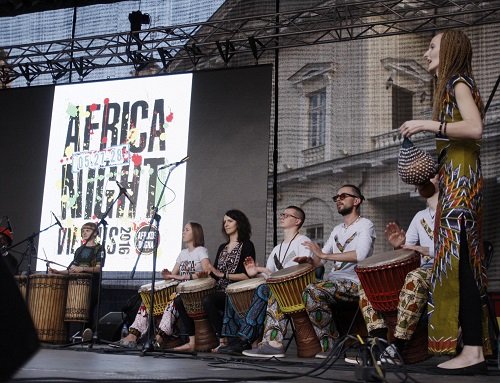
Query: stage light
(137, 20)
(226, 50)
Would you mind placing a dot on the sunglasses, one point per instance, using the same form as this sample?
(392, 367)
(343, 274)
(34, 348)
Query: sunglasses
(285, 216)
(343, 196)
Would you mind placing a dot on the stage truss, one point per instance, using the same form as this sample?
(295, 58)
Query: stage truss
(222, 43)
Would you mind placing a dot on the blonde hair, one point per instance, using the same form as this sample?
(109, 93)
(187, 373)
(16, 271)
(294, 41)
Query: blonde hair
(455, 58)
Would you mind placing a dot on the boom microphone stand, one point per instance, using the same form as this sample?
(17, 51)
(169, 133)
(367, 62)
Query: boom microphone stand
(149, 343)
(95, 336)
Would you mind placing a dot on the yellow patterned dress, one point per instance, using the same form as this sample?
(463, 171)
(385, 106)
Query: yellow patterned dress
(459, 208)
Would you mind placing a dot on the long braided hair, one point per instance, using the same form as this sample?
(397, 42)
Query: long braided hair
(455, 58)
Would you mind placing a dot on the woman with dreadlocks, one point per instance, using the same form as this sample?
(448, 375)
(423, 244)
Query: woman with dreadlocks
(458, 284)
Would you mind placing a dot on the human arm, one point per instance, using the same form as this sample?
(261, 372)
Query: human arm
(470, 127)
(252, 268)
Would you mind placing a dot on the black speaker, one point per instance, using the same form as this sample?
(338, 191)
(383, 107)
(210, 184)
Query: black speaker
(19, 340)
(110, 326)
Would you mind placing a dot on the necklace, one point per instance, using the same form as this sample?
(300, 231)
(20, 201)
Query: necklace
(352, 223)
(288, 247)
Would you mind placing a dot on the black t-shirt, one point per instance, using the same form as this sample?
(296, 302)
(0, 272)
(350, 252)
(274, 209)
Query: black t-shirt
(89, 256)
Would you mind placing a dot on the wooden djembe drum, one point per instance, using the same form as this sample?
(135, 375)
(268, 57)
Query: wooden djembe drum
(287, 286)
(192, 293)
(382, 277)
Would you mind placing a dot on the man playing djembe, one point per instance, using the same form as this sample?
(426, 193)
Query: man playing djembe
(413, 295)
(350, 242)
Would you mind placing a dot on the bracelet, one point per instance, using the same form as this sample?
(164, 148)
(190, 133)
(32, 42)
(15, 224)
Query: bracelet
(226, 275)
(444, 128)
(190, 276)
(440, 127)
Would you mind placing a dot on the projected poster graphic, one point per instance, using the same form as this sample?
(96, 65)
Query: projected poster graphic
(110, 134)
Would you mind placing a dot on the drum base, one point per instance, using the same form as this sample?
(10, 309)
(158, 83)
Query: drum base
(204, 335)
(307, 341)
(416, 349)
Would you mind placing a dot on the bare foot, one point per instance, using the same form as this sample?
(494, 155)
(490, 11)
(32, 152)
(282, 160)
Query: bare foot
(222, 343)
(186, 347)
(469, 356)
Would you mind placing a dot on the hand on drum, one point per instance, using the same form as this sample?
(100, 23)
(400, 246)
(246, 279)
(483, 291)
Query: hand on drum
(395, 235)
(166, 274)
(76, 269)
(250, 266)
(303, 260)
(200, 274)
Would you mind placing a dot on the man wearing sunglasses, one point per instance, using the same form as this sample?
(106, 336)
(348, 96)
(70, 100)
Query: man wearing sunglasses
(350, 242)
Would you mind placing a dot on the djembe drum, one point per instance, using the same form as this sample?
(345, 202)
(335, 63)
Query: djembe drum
(162, 295)
(47, 301)
(241, 294)
(192, 293)
(382, 277)
(78, 298)
(287, 286)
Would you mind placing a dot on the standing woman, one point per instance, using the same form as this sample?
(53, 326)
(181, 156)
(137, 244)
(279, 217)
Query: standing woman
(229, 265)
(458, 284)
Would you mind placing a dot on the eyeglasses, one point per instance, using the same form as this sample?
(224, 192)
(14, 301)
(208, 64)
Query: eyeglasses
(285, 216)
(343, 196)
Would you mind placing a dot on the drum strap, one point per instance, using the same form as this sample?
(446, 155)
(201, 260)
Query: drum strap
(278, 260)
(427, 228)
(342, 248)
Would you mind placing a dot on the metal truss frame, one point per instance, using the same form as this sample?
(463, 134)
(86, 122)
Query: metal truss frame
(216, 42)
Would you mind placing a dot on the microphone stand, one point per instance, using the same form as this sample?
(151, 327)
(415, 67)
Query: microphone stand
(149, 342)
(30, 252)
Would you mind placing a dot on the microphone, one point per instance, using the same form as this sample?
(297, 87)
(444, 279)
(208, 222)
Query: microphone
(174, 164)
(124, 192)
(57, 220)
(9, 226)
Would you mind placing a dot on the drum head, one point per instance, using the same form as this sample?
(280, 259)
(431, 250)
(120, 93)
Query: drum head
(394, 256)
(247, 284)
(290, 272)
(159, 285)
(195, 285)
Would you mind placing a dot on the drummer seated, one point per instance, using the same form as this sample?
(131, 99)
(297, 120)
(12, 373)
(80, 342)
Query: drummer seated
(414, 293)
(87, 259)
(282, 256)
(350, 242)
(412, 303)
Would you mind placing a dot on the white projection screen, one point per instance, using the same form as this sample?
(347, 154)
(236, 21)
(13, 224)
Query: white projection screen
(107, 134)
(81, 140)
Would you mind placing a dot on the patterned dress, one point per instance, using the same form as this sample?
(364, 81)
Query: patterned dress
(459, 209)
